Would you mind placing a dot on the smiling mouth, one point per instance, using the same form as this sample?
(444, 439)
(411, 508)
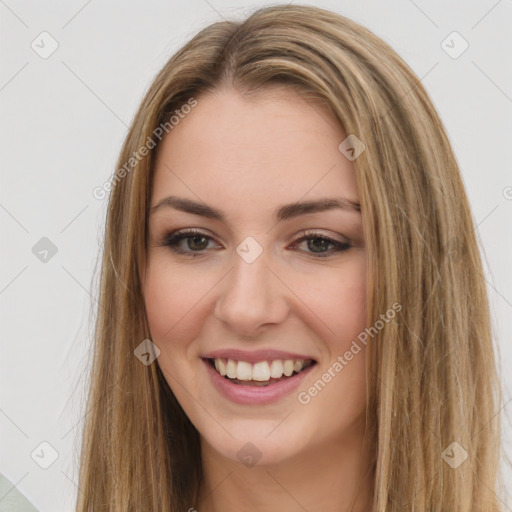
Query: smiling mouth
(261, 374)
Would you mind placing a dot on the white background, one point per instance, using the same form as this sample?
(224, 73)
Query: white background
(63, 120)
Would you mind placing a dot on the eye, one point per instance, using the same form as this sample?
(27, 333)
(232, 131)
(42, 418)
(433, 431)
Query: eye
(318, 244)
(196, 242)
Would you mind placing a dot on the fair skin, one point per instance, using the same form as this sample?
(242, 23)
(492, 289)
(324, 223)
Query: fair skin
(245, 158)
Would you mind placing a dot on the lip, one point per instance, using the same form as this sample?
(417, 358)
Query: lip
(254, 395)
(254, 356)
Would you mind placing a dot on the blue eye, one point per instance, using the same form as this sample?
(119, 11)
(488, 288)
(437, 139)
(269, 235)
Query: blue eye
(197, 243)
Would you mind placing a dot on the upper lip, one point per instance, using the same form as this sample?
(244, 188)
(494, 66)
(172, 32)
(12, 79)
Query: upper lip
(254, 356)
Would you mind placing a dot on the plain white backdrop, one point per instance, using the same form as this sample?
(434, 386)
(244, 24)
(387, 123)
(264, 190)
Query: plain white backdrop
(64, 116)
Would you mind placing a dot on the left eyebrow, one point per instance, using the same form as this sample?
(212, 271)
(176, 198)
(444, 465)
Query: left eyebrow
(283, 212)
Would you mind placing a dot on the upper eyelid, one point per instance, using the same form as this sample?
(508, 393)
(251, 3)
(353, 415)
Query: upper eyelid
(198, 232)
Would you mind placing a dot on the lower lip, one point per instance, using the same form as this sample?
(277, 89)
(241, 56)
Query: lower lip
(255, 395)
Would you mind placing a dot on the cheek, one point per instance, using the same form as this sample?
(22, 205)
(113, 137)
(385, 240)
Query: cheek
(339, 301)
(337, 297)
(171, 299)
(345, 311)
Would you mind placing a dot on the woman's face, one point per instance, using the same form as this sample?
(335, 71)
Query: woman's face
(248, 286)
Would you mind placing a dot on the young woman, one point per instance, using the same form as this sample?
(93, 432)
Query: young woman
(293, 313)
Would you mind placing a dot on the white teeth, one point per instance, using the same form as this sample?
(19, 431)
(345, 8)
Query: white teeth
(231, 369)
(261, 371)
(276, 369)
(244, 371)
(288, 367)
(298, 366)
(222, 366)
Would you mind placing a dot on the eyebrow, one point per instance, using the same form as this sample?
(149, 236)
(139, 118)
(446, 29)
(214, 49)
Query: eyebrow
(283, 212)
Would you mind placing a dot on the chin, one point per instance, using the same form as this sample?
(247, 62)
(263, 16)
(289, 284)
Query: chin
(256, 443)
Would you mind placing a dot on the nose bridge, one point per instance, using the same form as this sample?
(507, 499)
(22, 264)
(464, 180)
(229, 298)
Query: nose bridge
(251, 295)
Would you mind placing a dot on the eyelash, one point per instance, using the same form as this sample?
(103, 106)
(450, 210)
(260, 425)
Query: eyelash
(172, 240)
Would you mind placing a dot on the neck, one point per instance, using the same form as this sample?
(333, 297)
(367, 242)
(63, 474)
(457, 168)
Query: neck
(328, 479)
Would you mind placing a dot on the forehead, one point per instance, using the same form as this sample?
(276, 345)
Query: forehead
(254, 153)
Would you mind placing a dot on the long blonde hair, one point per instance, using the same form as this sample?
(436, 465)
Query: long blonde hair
(433, 391)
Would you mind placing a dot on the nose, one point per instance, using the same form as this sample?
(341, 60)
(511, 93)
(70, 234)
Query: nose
(251, 297)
